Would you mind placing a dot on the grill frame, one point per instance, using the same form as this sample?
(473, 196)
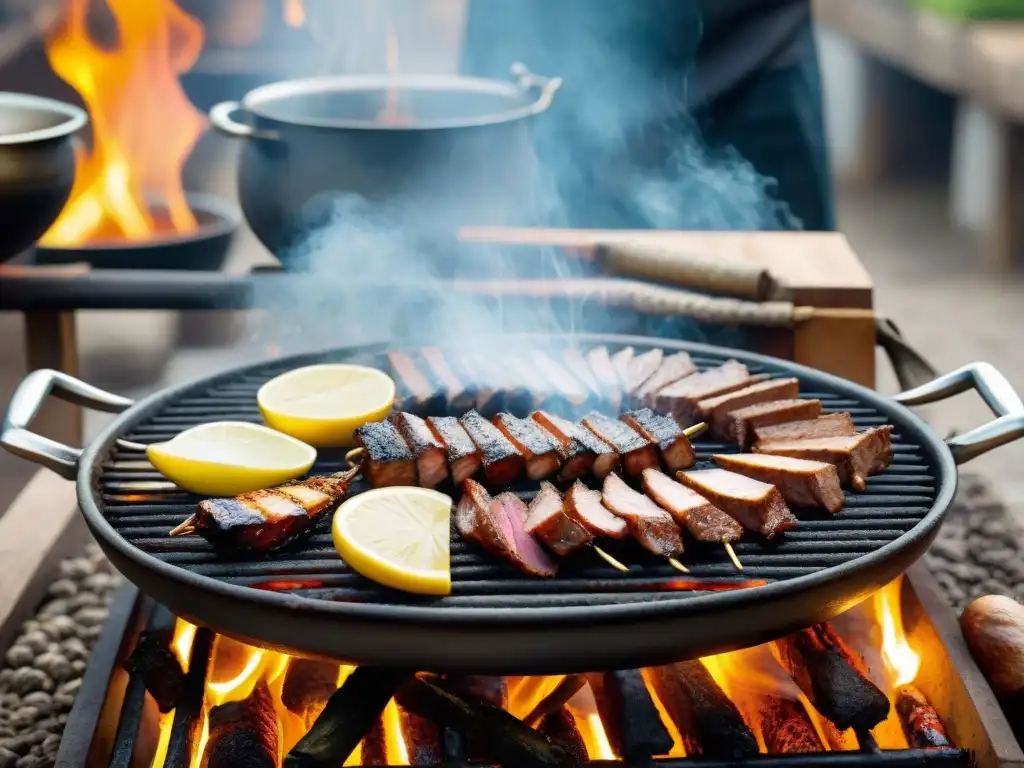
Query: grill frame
(510, 640)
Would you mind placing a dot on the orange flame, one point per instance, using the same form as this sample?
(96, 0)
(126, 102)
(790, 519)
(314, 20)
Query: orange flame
(900, 659)
(394, 739)
(143, 125)
(294, 14)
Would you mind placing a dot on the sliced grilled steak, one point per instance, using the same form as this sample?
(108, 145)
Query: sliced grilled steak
(463, 455)
(829, 425)
(716, 410)
(680, 399)
(755, 505)
(551, 525)
(664, 431)
(673, 368)
(856, 457)
(532, 558)
(579, 367)
(582, 450)
(648, 523)
(564, 383)
(502, 462)
(604, 371)
(636, 451)
(583, 506)
(641, 368)
(431, 458)
(388, 459)
(802, 483)
(741, 423)
(620, 362)
(539, 449)
(700, 517)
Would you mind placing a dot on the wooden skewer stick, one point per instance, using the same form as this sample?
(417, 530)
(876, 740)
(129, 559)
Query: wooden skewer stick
(187, 528)
(696, 430)
(610, 560)
(354, 457)
(732, 556)
(677, 565)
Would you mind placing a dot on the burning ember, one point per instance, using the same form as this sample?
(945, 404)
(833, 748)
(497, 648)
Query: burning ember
(789, 697)
(143, 125)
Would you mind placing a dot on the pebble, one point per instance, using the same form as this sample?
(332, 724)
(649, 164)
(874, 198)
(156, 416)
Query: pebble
(8, 759)
(74, 649)
(28, 679)
(63, 588)
(60, 627)
(32, 761)
(951, 549)
(91, 616)
(23, 742)
(100, 582)
(35, 642)
(77, 568)
(56, 666)
(19, 656)
(24, 717)
(83, 600)
(51, 743)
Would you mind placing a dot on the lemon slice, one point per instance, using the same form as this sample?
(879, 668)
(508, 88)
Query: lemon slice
(398, 537)
(227, 458)
(323, 405)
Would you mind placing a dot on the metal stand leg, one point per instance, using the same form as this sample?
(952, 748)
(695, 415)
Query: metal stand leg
(51, 342)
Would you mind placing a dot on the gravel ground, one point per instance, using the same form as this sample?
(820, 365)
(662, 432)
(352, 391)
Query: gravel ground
(978, 552)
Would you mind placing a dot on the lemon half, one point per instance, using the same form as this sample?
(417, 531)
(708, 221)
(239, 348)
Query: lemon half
(227, 458)
(398, 537)
(323, 405)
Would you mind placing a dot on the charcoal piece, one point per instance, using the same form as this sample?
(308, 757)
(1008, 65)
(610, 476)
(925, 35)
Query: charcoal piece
(308, 684)
(508, 740)
(423, 739)
(375, 746)
(786, 727)
(244, 733)
(349, 714)
(569, 686)
(561, 728)
(709, 723)
(154, 661)
(188, 722)
(491, 688)
(919, 720)
(834, 680)
(630, 718)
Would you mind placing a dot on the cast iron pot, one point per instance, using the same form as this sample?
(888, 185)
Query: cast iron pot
(456, 152)
(37, 166)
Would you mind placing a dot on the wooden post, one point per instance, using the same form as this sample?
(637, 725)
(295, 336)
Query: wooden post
(51, 342)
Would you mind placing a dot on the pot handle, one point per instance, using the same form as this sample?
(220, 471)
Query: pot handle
(995, 390)
(29, 398)
(222, 118)
(548, 86)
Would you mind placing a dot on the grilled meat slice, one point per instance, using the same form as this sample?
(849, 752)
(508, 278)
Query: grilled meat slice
(538, 448)
(604, 371)
(498, 525)
(855, 457)
(551, 525)
(705, 522)
(388, 460)
(680, 399)
(637, 452)
(664, 431)
(529, 379)
(829, 425)
(620, 362)
(716, 410)
(755, 505)
(502, 462)
(459, 397)
(412, 380)
(431, 463)
(672, 369)
(741, 424)
(264, 521)
(581, 449)
(583, 506)
(463, 455)
(578, 366)
(641, 368)
(802, 483)
(648, 523)
(564, 383)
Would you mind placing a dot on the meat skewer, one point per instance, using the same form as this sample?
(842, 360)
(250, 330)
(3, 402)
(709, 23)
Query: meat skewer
(756, 506)
(743, 422)
(717, 410)
(538, 448)
(578, 367)
(431, 458)
(501, 461)
(680, 399)
(604, 370)
(829, 425)
(412, 379)
(551, 525)
(583, 506)
(387, 459)
(457, 395)
(673, 443)
(641, 368)
(855, 457)
(649, 524)
(637, 452)
(582, 450)
(802, 483)
(463, 455)
(705, 522)
(673, 368)
(264, 521)
(564, 382)
(620, 363)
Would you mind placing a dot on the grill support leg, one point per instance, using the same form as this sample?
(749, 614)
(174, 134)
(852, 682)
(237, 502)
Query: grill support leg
(51, 341)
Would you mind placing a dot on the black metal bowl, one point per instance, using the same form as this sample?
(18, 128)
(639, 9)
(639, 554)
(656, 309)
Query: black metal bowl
(37, 166)
(205, 249)
(307, 601)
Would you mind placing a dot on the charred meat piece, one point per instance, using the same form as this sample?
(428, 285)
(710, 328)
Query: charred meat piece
(604, 370)
(919, 720)
(578, 366)
(487, 392)
(832, 678)
(411, 379)
(809, 484)
(676, 451)
(308, 684)
(829, 425)
(641, 368)
(265, 521)
(458, 396)
(636, 451)
(582, 450)
(550, 524)
(529, 379)
(630, 717)
(155, 662)
(710, 724)
(583, 506)
(431, 457)
(620, 362)
(243, 733)
(704, 521)
(388, 460)
(499, 526)
(741, 424)
(856, 457)
(501, 461)
(680, 399)
(564, 383)
(786, 728)
(716, 410)
(538, 448)
(755, 505)
(672, 369)
(648, 523)
(463, 455)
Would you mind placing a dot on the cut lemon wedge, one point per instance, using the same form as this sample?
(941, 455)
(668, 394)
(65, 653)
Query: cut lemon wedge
(323, 405)
(397, 537)
(227, 458)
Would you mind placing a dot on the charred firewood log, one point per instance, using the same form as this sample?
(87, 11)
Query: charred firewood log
(920, 721)
(154, 661)
(786, 727)
(833, 678)
(244, 734)
(375, 747)
(630, 719)
(707, 720)
(422, 737)
(188, 721)
(492, 689)
(308, 684)
(561, 728)
(349, 714)
(557, 699)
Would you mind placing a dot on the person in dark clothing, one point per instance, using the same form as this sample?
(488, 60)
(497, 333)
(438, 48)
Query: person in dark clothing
(682, 114)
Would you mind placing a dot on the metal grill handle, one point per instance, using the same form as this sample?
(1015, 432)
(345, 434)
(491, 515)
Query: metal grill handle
(995, 390)
(29, 398)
